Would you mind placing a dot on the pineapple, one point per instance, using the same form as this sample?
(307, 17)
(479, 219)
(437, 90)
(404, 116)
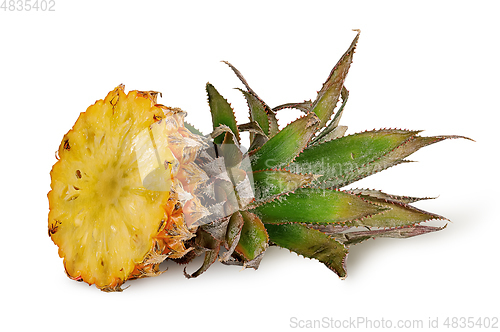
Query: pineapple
(135, 185)
(122, 198)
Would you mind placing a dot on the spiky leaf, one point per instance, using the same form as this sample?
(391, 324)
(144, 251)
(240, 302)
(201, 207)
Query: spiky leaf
(328, 96)
(336, 159)
(337, 132)
(192, 129)
(397, 214)
(281, 149)
(382, 195)
(271, 116)
(253, 239)
(310, 243)
(257, 111)
(270, 183)
(304, 106)
(394, 157)
(316, 206)
(233, 234)
(332, 130)
(257, 135)
(230, 151)
(222, 113)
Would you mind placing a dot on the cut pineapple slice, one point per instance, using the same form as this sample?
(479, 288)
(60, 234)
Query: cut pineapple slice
(113, 190)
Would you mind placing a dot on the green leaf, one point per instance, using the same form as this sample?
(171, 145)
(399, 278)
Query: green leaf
(253, 238)
(335, 133)
(282, 148)
(257, 111)
(316, 206)
(271, 183)
(252, 127)
(222, 113)
(328, 96)
(233, 234)
(192, 129)
(257, 135)
(349, 155)
(331, 131)
(381, 195)
(230, 151)
(336, 119)
(271, 116)
(242, 79)
(388, 160)
(397, 214)
(312, 244)
(273, 123)
(304, 106)
(221, 131)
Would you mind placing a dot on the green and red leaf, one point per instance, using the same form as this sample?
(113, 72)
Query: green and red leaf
(222, 113)
(233, 234)
(257, 103)
(382, 195)
(316, 206)
(253, 238)
(338, 158)
(333, 130)
(257, 111)
(271, 183)
(329, 94)
(282, 148)
(398, 214)
(304, 106)
(392, 158)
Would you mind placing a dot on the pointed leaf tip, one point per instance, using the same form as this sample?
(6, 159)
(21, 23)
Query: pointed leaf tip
(256, 104)
(241, 78)
(398, 213)
(207, 243)
(329, 94)
(343, 159)
(257, 112)
(222, 113)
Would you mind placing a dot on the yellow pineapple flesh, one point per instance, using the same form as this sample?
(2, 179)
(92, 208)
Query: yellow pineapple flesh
(120, 202)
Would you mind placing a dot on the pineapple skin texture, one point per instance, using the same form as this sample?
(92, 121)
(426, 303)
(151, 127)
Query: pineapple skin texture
(109, 228)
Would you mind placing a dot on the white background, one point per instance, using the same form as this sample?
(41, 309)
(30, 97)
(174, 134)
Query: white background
(419, 65)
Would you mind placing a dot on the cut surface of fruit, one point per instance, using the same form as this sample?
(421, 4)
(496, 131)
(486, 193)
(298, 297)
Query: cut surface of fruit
(114, 188)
